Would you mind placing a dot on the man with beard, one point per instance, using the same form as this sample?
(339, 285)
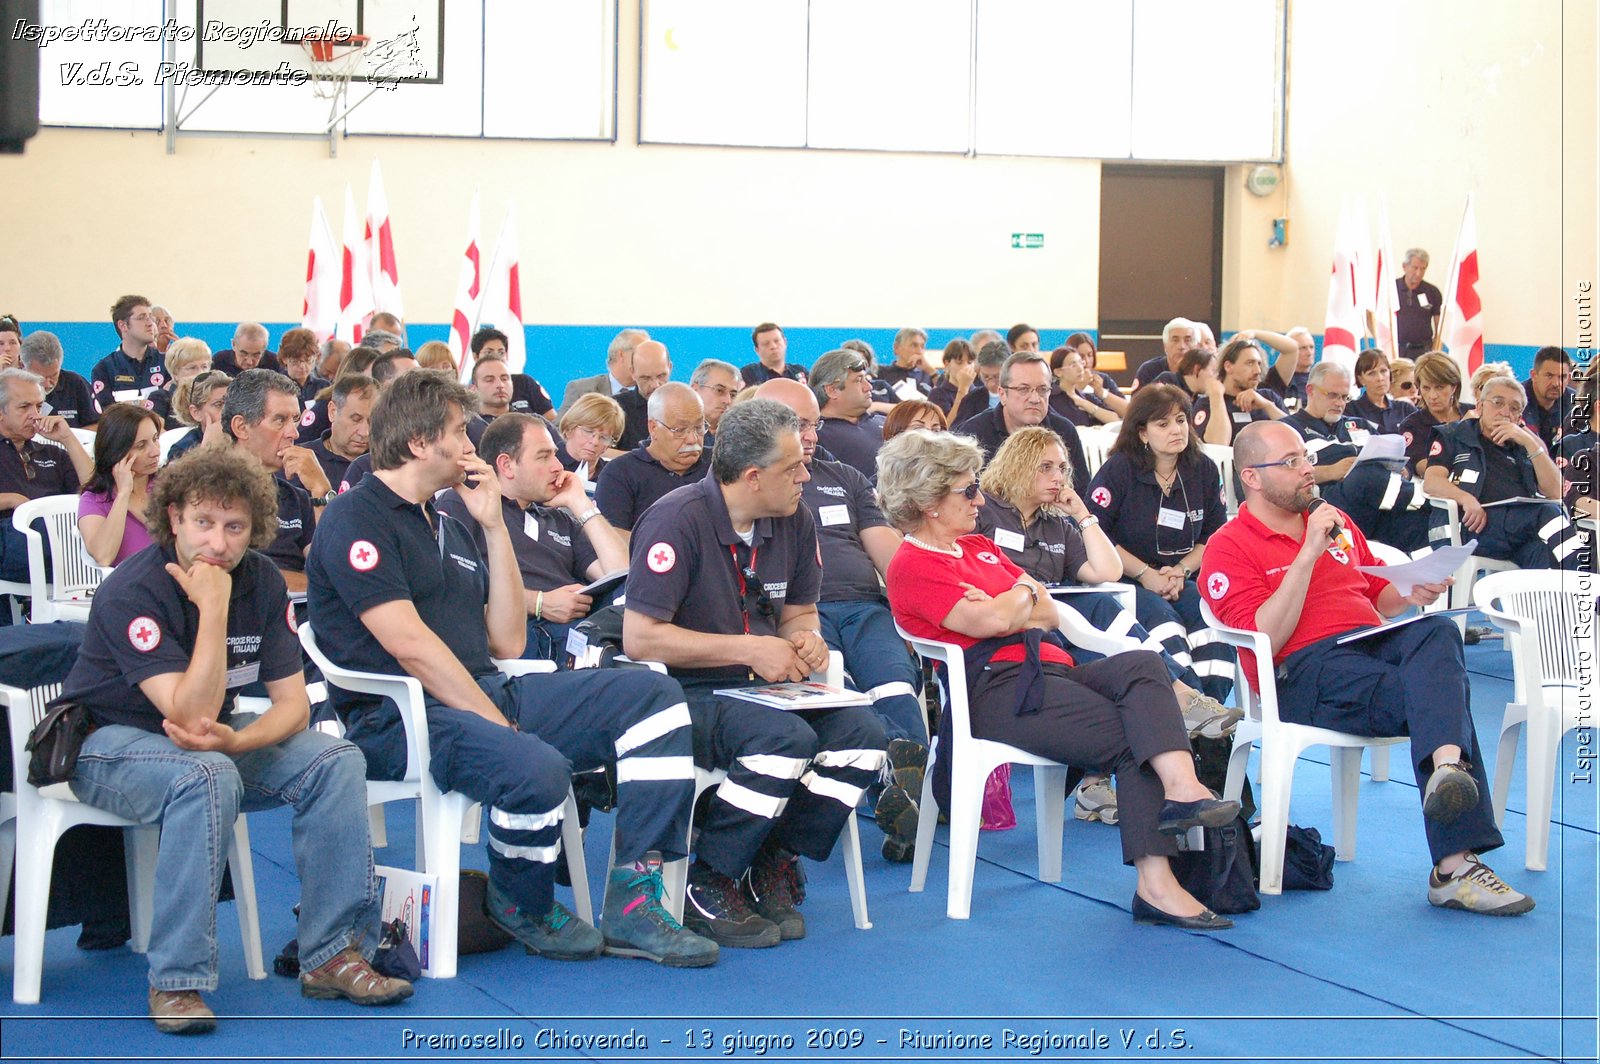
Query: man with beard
(1290, 571)
(1241, 369)
(673, 456)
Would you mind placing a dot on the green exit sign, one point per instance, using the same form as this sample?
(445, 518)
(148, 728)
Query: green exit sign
(1027, 240)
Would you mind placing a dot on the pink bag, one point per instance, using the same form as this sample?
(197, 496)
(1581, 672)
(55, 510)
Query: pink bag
(997, 812)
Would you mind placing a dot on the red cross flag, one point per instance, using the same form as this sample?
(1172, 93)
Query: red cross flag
(320, 312)
(355, 276)
(1461, 323)
(380, 250)
(469, 290)
(502, 295)
(1341, 333)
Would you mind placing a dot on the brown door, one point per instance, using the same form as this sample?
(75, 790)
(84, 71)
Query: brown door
(1160, 255)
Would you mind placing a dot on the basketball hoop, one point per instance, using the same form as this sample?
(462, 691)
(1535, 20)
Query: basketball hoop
(332, 63)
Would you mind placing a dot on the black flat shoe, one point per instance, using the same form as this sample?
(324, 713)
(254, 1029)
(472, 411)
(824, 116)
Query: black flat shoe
(1145, 913)
(1178, 817)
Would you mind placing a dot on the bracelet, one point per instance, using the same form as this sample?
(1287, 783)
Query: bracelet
(1140, 573)
(594, 511)
(1088, 522)
(1029, 589)
(538, 606)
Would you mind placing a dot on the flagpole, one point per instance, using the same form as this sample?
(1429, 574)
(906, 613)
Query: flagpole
(1455, 270)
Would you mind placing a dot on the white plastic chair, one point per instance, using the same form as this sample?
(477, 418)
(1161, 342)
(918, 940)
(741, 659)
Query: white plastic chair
(62, 591)
(35, 818)
(446, 819)
(1544, 614)
(980, 757)
(1096, 443)
(1222, 455)
(675, 874)
(1281, 745)
(1461, 593)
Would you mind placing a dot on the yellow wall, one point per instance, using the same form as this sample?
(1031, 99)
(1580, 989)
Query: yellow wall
(1383, 99)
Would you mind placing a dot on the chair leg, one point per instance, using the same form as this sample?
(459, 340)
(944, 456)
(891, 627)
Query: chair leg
(142, 847)
(37, 837)
(1049, 811)
(377, 827)
(577, 866)
(966, 812)
(1544, 738)
(1277, 782)
(1380, 764)
(1238, 763)
(927, 827)
(853, 873)
(443, 822)
(1505, 758)
(244, 898)
(8, 855)
(1346, 768)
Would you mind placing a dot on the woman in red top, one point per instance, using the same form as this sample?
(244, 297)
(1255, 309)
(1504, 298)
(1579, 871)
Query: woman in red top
(1118, 714)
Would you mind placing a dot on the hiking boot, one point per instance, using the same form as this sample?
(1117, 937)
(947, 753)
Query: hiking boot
(897, 817)
(1451, 791)
(1095, 800)
(557, 934)
(181, 1012)
(1475, 888)
(1207, 718)
(634, 923)
(349, 976)
(715, 907)
(775, 887)
(907, 760)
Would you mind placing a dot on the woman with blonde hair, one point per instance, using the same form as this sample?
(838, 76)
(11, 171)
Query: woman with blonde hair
(198, 402)
(589, 428)
(186, 359)
(949, 583)
(436, 354)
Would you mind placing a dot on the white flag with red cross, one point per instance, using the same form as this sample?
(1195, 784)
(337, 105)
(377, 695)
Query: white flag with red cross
(469, 292)
(320, 310)
(380, 250)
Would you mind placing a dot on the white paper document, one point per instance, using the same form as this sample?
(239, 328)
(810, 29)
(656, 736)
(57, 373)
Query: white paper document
(1386, 447)
(1431, 568)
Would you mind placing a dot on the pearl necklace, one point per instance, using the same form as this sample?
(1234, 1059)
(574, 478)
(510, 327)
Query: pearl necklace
(954, 552)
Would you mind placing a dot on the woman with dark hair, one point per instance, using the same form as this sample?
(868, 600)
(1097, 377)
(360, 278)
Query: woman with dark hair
(948, 583)
(1439, 388)
(1159, 498)
(1080, 395)
(915, 414)
(127, 452)
(1085, 346)
(1375, 404)
(958, 377)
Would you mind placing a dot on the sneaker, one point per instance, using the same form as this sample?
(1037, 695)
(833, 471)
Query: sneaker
(775, 886)
(634, 923)
(1451, 791)
(906, 762)
(1095, 800)
(897, 818)
(557, 934)
(715, 907)
(349, 976)
(1475, 888)
(1207, 718)
(181, 1012)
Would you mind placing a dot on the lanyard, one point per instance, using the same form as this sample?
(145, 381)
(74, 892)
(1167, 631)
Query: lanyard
(738, 573)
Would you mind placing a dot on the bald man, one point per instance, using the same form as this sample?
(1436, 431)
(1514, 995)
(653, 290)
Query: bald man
(673, 455)
(652, 367)
(1290, 571)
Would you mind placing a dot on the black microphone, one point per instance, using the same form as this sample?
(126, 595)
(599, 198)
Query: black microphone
(1337, 537)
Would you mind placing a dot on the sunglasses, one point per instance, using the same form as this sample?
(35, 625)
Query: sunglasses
(970, 492)
(755, 590)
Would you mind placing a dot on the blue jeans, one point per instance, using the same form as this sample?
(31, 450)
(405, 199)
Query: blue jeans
(196, 797)
(877, 660)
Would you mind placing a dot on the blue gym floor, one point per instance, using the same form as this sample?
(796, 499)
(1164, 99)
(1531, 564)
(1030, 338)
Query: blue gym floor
(1365, 972)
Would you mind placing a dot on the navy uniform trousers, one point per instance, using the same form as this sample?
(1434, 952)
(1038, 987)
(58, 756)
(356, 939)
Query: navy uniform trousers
(566, 722)
(1408, 681)
(1534, 535)
(795, 776)
(877, 660)
(1384, 505)
(1186, 637)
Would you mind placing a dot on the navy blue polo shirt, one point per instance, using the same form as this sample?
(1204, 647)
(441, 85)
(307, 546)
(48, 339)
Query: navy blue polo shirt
(184, 444)
(315, 419)
(1061, 403)
(118, 378)
(1414, 315)
(856, 443)
(354, 473)
(1576, 454)
(893, 374)
(53, 471)
(309, 390)
(229, 364)
(990, 431)
(72, 401)
(1549, 425)
(635, 420)
(978, 400)
(1237, 418)
(160, 401)
(1388, 419)
(1050, 549)
(1156, 528)
(686, 564)
(374, 547)
(297, 520)
(334, 466)
(528, 396)
(842, 503)
(630, 483)
(552, 551)
(943, 395)
(1150, 369)
(143, 625)
(755, 373)
(1331, 442)
(1177, 381)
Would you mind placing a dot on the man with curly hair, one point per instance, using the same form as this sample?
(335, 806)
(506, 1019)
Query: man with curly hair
(175, 632)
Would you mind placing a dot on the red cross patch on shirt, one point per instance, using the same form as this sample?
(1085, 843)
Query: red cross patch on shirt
(145, 634)
(363, 556)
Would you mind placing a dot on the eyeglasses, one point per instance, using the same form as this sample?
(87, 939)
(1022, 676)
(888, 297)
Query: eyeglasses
(1511, 406)
(605, 438)
(141, 318)
(1295, 462)
(699, 428)
(807, 425)
(1041, 392)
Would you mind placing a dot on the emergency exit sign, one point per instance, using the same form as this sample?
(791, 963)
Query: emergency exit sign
(1027, 240)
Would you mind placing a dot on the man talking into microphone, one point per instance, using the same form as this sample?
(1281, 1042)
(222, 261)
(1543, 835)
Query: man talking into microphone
(1287, 567)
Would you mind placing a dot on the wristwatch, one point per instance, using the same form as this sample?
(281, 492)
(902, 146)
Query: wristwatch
(323, 500)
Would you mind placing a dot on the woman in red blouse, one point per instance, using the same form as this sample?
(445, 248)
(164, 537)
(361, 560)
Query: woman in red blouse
(1117, 715)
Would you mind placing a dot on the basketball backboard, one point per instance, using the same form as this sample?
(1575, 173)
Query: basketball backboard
(405, 37)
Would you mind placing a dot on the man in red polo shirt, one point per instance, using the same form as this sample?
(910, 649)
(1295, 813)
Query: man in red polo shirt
(1290, 571)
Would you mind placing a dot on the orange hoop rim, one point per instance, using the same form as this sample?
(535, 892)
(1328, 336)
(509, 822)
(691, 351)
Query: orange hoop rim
(322, 50)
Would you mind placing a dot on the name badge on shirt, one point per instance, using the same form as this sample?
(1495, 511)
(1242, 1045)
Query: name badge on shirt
(125, 395)
(1469, 476)
(1359, 437)
(834, 515)
(241, 675)
(530, 526)
(1004, 537)
(1171, 518)
(1422, 300)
